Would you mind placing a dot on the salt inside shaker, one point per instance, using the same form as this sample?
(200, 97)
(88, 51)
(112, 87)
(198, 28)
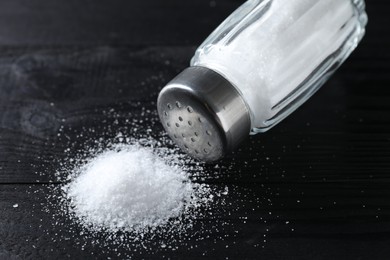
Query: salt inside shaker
(255, 69)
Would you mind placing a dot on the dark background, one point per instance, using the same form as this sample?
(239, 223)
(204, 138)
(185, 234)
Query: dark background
(317, 186)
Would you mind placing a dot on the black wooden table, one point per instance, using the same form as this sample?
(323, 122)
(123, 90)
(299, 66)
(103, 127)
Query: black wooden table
(315, 187)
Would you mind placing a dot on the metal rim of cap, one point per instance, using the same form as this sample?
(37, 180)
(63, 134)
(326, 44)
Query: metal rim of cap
(204, 114)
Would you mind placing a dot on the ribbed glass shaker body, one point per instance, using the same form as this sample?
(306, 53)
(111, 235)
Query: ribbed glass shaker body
(277, 53)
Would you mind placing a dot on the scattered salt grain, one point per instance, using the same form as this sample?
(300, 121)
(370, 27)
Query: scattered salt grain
(15, 205)
(106, 194)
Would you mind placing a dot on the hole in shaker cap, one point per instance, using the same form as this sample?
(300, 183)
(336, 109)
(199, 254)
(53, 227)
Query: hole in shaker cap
(180, 119)
(168, 124)
(205, 151)
(196, 134)
(196, 151)
(189, 123)
(209, 144)
(178, 104)
(165, 113)
(193, 140)
(190, 110)
(200, 120)
(169, 106)
(208, 132)
(177, 125)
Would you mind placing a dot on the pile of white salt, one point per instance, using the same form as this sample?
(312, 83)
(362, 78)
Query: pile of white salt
(131, 188)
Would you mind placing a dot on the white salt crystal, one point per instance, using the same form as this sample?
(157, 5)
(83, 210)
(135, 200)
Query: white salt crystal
(15, 205)
(128, 196)
(130, 188)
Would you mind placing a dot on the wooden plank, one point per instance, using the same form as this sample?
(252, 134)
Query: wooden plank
(173, 22)
(120, 22)
(244, 228)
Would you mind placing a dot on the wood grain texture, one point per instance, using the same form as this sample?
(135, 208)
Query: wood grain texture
(325, 170)
(238, 230)
(109, 22)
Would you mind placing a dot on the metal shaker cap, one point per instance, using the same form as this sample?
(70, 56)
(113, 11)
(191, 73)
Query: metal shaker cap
(204, 114)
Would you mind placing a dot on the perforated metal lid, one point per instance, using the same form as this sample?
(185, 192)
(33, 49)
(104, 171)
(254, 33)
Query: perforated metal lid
(204, 114)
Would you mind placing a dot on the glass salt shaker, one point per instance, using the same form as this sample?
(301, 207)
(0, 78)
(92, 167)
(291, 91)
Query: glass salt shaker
(255, 69)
